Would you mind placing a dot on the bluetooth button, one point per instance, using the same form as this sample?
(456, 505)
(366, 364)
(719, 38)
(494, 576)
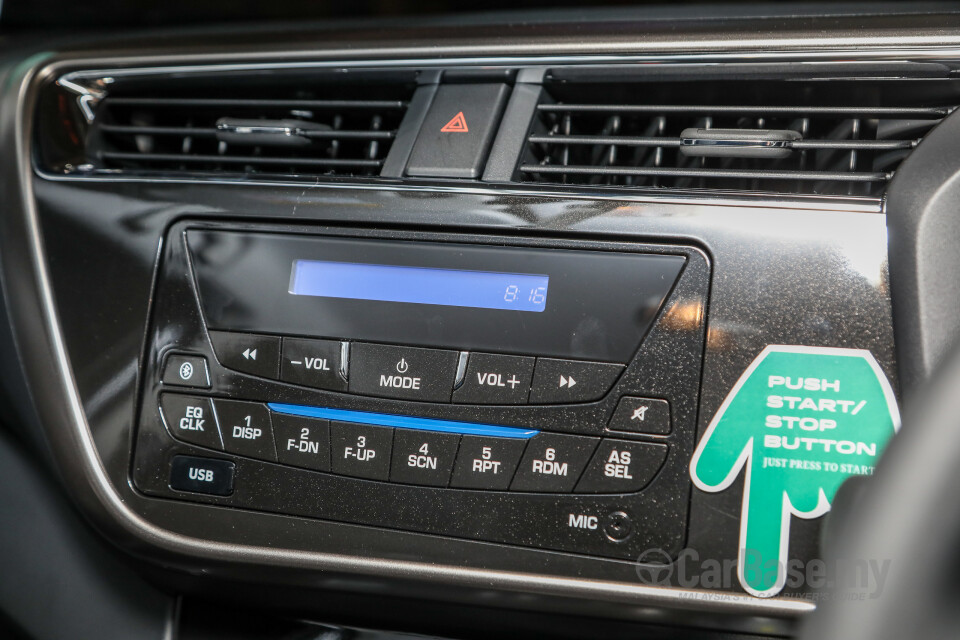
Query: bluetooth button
(186, 371)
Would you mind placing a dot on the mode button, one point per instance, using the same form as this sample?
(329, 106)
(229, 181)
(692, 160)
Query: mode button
(410, 373)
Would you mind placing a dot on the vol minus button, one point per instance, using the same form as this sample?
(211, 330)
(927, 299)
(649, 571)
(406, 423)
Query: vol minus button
(312, 363)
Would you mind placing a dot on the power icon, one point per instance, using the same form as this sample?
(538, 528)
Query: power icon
(402, 366)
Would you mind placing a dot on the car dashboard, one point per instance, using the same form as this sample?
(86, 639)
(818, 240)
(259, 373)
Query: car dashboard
(530, 328)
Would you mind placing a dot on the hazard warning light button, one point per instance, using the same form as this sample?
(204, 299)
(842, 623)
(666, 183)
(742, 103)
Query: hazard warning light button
(458, 130)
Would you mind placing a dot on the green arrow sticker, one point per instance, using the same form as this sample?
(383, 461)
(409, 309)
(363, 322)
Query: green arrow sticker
(801, 420)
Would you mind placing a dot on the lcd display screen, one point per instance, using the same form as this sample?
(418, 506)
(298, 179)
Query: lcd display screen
(420, 285)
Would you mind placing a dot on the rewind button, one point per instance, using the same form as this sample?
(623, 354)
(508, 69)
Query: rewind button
(248, 352)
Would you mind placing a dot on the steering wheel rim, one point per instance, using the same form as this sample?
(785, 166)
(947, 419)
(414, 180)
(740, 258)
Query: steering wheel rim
(907, 521)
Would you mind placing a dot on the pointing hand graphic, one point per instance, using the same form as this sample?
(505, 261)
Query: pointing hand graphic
(800, 420)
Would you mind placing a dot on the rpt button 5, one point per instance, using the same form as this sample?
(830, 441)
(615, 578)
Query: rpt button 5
(486, 462)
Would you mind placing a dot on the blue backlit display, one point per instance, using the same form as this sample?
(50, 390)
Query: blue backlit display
(420, 285)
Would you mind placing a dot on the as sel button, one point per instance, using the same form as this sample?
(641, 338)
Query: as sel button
(619, 466)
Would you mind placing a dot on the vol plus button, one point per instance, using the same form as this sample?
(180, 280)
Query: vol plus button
(402, 372)
(495, 379)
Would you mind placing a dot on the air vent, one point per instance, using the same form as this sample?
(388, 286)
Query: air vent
(303, 127)
(798, 137)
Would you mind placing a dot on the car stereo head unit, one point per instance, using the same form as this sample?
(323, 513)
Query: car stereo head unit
(538, 393)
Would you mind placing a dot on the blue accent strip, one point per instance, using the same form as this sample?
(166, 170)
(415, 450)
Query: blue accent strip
(403, 422)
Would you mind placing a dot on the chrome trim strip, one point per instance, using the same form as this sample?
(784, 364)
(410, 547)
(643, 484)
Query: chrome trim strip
(839, 56)
(806, 202)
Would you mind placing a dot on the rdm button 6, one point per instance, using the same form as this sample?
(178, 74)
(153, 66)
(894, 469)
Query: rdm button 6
(553, 463)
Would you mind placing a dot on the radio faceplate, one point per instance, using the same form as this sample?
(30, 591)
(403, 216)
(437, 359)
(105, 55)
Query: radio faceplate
(568, 462)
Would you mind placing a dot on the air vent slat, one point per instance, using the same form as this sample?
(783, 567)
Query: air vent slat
(212, 132)
(260, 103)
(852, 176)
(158, 131)
(932, 113)
(800, 137)
(231, 159)
(622, 141)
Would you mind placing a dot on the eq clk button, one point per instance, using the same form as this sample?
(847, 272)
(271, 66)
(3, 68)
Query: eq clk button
(190, 419)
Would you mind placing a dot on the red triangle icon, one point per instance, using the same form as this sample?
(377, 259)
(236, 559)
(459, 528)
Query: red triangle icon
(457, 125)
